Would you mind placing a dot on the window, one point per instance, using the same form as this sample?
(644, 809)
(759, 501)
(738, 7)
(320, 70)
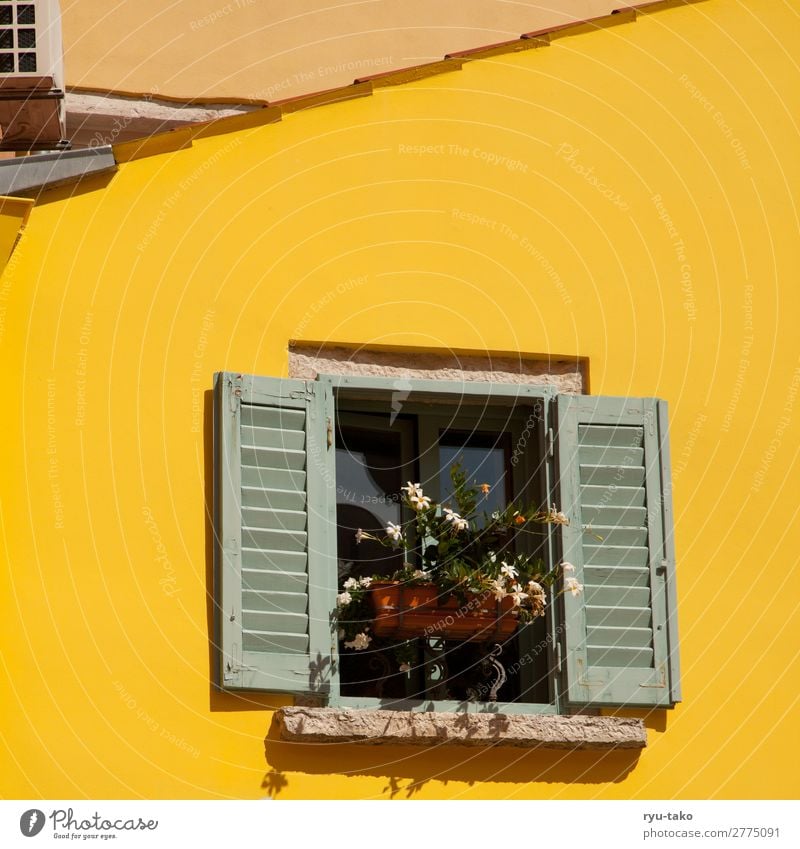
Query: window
(301, 464)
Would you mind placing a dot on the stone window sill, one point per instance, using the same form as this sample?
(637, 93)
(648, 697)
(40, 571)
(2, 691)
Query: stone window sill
(333, 725)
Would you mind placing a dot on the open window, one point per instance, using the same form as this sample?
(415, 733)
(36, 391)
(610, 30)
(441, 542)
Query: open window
(301, 465)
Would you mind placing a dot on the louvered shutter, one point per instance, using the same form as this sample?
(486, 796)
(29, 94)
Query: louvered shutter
(614, 484)
(275, 533)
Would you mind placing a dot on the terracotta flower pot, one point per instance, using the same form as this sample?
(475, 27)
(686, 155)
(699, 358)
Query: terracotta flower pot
(406, 612)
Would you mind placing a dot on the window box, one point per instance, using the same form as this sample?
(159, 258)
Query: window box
(405, 612)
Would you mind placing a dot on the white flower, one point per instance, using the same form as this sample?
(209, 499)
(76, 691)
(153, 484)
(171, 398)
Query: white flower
(572, 585)
(350, 584)
(412, 489)
(405, 667)
(508, 571)
(343, 599)
(557, 517)
(420, 501)
(517, 594)
(498, 590)
(535, 589)
(359, 642)
(362, 535)
(492, 557)
(394, 531)
(458, 523)
(364, 582)
(567, 567)
(496, 514)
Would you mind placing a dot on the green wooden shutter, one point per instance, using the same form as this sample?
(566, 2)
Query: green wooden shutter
(275, 534)
(614, 484)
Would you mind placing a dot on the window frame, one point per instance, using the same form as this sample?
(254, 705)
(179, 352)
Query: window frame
(434, 394)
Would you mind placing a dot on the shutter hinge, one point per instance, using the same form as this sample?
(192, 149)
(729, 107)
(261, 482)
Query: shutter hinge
(661, 569)
(235, 397)
(550, 442)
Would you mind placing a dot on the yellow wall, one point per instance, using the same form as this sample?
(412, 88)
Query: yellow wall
(123, 299)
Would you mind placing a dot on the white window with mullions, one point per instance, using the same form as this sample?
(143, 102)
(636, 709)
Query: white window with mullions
(301, 465)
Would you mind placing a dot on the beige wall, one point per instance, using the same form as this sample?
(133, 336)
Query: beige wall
(274, 49)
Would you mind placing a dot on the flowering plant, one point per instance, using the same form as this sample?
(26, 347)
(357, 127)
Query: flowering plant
(463, 552)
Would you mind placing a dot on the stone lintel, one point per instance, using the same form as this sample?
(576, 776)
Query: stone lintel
(417, 728)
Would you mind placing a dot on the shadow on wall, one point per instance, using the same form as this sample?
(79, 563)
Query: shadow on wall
(408, 768)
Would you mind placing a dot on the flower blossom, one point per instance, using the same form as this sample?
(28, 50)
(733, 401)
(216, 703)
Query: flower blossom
(362, 535)
(420, 501)
(508, 570)
(485, 488)
(458, 523)
(557, 517)
(567, 567)
(343, 599)
(517, 594)
(572, 585)
(498, 589)
(412, 489)
(359, 642)
(394, 531)
(350, 584)
(364, 582)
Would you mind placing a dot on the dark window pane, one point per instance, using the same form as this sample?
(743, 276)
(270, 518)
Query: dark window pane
(27, 62)
(26, 14)
(6, 63)
(5, 15)
(6, 39)
(485, 459)
(26, 38)
(368, 481)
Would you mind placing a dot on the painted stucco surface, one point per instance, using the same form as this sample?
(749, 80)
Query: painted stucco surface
(628, 196)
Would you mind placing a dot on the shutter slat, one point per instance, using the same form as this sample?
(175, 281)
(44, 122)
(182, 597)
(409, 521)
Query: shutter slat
(616, 475)
(621, 576)
(268, 459)
(286, 623)
(254, 415)
(625, 436)
(613, 496)
(274, 479)
(608, 595)
(616, 536)
(265, 580)
(268, 518)
(601, 514)
(618, 616)
(273, 437)
(277, 539)
(274, 601)
(602, 455)
(609, 636)
(615, 555)
(282, 561)
(620, 656)
(264, 641)
(277, 499)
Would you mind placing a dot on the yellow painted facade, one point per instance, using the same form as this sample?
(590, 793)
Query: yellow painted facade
(627, 195)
